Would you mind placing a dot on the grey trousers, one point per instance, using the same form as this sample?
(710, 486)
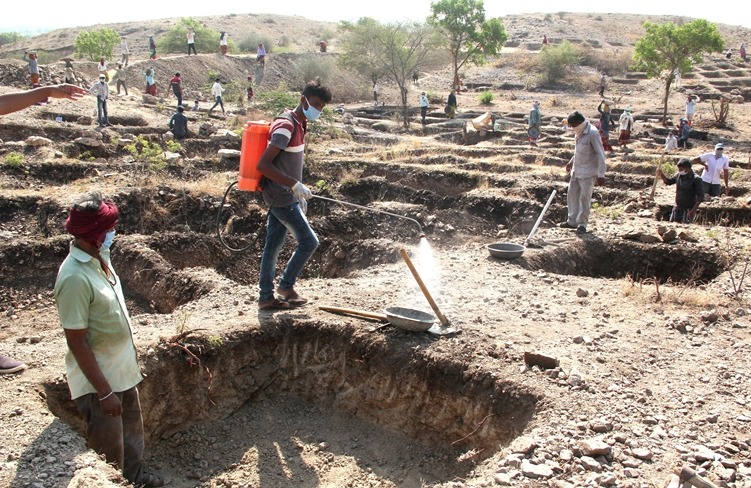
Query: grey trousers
(579, 199)
(120, 439)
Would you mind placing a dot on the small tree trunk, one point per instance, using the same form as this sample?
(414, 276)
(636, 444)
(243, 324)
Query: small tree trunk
(405, 112)
(665, 100)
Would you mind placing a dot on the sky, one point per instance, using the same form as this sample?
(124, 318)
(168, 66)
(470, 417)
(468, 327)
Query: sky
(50, 14)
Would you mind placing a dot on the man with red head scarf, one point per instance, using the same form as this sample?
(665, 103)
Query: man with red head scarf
(102, 360)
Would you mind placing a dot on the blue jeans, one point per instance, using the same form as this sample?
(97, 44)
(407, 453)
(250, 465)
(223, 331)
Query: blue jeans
(101, 112)
(218, 102)
(281, 220)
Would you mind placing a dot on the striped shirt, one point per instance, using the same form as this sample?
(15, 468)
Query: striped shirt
(290, 138)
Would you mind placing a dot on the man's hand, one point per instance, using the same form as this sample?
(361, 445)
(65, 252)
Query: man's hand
(111, 406)
(301, 191)
(569, 165)
(72, 92)
(727, 191)
(600, 181)
(692, 214)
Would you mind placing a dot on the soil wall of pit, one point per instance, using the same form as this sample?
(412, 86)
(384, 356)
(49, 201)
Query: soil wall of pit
(380, 379)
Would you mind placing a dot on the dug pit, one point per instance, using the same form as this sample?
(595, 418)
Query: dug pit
(309, 404)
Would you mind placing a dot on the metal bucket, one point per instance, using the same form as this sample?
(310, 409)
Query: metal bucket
(409, 319)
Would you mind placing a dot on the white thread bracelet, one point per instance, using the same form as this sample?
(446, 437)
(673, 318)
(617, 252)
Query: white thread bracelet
(107, 395)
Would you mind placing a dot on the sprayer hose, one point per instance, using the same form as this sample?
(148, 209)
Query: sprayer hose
(219, 223)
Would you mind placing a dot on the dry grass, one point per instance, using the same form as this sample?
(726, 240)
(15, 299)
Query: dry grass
(679, 295)
(398, 151)
(212, 184)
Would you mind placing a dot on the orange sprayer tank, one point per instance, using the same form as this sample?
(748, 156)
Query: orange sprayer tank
(255, 140)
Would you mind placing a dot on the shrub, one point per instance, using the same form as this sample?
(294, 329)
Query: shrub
(147, 152)
(249, 44)
(555, 62)
(325, 34)
(10, 37)
(275, 101)
(609, 62)
(486, 97)
(96, 43)
(14, 159)
(310, 67)
(44, 57)
(174, 146)
(206, 39)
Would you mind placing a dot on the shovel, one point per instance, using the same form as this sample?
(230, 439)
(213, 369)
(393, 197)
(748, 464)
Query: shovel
(401, 318)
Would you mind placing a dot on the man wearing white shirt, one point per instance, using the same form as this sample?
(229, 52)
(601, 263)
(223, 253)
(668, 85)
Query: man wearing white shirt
(217, 89)
(125, 51)
(587, 168)
(714, 164)
(101, 90)
(423, 107)
(192, 42)
(691, 108)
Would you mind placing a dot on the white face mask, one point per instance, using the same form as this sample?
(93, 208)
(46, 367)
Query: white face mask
(683, 172)
(579, 128)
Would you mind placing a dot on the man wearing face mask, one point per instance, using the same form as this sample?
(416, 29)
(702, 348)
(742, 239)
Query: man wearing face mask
(102, 361)
(587, 168)
(102, 92)
(689, 192)
(715, 164)
(283, 191)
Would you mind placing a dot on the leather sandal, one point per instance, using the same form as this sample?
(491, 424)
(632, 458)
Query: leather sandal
(150, 480)
(291, 297)
(275, 304)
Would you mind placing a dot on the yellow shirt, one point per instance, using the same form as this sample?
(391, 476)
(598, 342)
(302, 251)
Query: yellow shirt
(87, 300)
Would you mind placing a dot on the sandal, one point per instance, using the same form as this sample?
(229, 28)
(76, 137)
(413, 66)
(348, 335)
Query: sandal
(275, 304)
(290, 296)
(150, 480)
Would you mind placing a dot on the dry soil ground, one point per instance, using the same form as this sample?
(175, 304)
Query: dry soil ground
(651, 337)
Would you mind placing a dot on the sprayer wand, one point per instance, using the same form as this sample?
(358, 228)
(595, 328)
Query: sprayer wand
(422, 234)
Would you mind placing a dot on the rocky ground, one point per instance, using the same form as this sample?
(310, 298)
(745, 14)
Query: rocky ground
(610, 359)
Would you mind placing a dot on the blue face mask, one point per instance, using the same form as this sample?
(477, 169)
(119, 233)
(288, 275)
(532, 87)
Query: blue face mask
(109, 237)
(311, 113)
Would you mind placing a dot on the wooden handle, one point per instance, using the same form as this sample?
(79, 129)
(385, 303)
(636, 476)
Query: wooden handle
(441, 317)
(689, 478)
(350, 311)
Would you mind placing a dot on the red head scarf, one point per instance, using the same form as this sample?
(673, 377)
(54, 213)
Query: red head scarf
(91, 227)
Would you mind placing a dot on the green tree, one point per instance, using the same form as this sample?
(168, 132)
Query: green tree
(554, 62)
(667, 47)
(176, 39)
(393, 50)
(96, 43)
(10, 37)
(465, 32)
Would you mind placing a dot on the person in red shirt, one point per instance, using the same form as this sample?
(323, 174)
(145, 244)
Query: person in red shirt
(177, 88)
